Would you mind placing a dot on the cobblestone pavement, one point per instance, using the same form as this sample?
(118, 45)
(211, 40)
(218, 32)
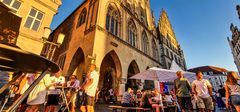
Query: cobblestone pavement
(102, 108)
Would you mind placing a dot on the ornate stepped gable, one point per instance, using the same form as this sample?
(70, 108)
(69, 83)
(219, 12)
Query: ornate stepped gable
(166, 29)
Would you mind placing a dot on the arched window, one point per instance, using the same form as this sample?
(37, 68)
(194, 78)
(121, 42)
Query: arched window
(143, 16)
(132, 33)
(113, 21)
(82, 17)
(155, 50)
(128, 6)
(145, 43)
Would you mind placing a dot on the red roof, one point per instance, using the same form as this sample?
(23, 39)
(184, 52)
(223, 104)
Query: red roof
(215, 70)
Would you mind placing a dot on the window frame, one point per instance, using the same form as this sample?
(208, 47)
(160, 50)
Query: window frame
(132, 33)
(113, 22)
(145, 43)
(62, 60)
(34, 19)
(11, 5)
(82, 17)
(155, 50)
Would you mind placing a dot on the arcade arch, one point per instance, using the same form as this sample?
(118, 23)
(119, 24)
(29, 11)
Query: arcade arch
(77, 64)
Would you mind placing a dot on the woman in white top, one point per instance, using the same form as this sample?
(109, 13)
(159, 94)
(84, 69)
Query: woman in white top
(37, 96)
(232, 87)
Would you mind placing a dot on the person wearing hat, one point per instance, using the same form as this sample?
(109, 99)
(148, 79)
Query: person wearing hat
(73, 84)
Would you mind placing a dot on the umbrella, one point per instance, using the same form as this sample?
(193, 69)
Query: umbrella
(161, 75)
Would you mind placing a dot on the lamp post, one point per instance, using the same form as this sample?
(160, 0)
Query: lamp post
(52, 45)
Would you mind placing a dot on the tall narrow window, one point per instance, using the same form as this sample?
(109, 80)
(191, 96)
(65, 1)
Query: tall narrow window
(107, 22)
(167, 52)
(34, 19)
(132, 33)
(143, 16)
(61, 61)
(116, 26)
(82, 17)
(13, 4)
(112, 21)
(145, 43)
(175, 58)
(155, 50)
(112, 24)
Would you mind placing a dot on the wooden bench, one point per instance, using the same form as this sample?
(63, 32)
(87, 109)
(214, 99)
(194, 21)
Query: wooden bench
(173, 106)
(138, 109)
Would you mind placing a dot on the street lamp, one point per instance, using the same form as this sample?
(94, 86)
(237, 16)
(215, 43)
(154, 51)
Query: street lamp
(52, 45)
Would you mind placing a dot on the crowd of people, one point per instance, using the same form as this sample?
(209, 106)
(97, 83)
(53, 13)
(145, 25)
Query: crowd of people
(188, 97)
(147, 99)
(185, 96)
(46, 95)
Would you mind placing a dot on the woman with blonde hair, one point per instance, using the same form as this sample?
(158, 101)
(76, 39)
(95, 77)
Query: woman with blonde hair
(232, 87)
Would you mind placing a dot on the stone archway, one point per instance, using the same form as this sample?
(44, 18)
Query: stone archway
(110, 74)
(77, 64)
(132, 70)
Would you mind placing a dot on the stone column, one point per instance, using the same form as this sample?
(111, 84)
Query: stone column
(142, 84)
(122, 85)
(156, 85)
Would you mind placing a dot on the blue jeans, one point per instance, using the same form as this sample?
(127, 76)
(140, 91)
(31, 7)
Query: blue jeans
(235, 99)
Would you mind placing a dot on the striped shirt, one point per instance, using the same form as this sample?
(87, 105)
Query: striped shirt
(126, 97)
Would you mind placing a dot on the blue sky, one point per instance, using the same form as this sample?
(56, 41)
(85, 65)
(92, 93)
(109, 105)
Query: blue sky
(201, 27)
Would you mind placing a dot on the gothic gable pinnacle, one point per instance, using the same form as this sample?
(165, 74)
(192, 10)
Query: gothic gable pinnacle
(165, 28)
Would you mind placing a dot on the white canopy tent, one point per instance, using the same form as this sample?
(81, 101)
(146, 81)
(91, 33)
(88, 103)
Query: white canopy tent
(189, 75)
(175, 67)
(163, 75)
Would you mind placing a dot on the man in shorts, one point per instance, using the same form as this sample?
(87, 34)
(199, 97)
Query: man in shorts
(53, 93)
(90, 87)
(203, 90)
(182, 90)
